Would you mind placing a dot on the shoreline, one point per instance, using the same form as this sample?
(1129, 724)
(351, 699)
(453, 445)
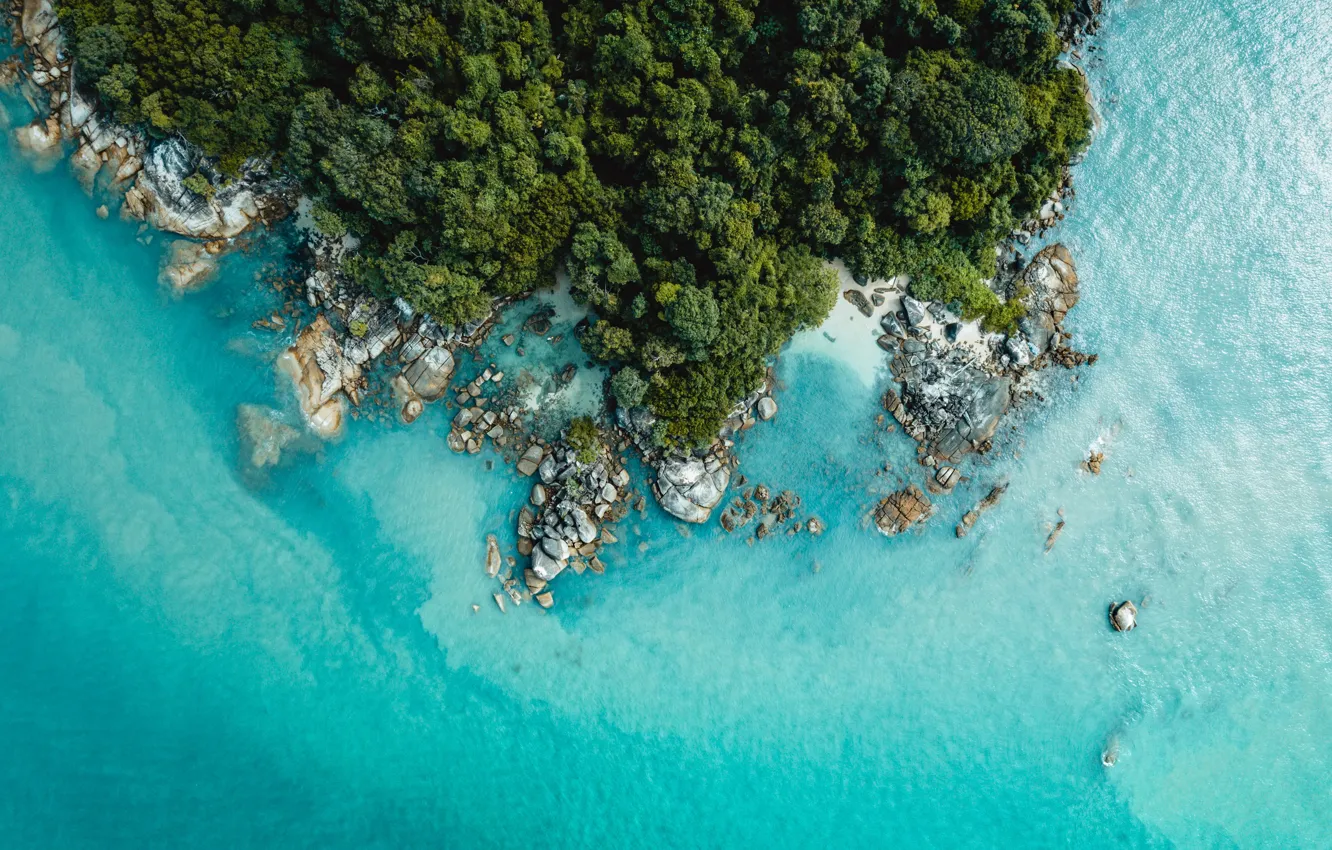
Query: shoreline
(956, 382)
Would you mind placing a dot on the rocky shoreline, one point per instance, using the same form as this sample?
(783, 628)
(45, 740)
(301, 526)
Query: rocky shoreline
(954, 382)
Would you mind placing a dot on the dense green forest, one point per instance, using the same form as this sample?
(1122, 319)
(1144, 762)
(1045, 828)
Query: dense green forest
(691, 162)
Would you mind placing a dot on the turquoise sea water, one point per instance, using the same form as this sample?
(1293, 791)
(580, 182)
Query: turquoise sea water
(191, 659)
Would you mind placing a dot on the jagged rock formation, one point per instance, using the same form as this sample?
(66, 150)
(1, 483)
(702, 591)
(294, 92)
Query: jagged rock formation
(160, 197)
(324, 377)
(953, 393)
(990, 500)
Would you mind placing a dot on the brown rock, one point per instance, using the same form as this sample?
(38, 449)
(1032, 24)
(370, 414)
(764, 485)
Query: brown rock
(901, 510)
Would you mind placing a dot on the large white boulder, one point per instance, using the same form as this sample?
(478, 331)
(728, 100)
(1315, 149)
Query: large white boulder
(688, 488)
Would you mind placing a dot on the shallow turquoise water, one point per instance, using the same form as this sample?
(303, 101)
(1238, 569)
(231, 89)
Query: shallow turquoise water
(188, 660)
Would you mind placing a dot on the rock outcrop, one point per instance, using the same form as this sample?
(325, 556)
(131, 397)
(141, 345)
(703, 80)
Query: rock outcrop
(325, 378)
(991, 499)
(1124, 616)
(953, 391)
(161, 198)
(689, 487)
(114, 155)
(901, 510)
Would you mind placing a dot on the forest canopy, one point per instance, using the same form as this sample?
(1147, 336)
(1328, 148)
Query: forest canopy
(690, 163)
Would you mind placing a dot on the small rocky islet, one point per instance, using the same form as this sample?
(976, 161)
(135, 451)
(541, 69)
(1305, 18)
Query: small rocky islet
(954, 383)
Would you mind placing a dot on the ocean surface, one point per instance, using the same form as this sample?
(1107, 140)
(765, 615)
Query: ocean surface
(195, 657)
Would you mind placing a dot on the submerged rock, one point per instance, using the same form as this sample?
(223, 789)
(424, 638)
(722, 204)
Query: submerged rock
(187, 266)
(493, 560)
(990, 500)
(263, 434)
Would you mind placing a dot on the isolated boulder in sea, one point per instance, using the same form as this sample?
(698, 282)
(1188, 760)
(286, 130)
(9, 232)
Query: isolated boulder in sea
(900, 510)
(767, 407)
(1124, 616)
(688, 488)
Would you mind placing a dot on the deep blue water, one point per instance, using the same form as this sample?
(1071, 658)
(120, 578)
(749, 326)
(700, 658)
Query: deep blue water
(190, 658)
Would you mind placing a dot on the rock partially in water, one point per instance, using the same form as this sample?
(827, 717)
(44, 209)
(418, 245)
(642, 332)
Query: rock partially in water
(40, 27)
(263, 435)
(324, 376)
(547, 566)
(493, 560)
(1054, 536)
(429, 374)
(688, 488)
(1093, 462)
(1051, 280)
(531, 459)
(956, 386)
(900, 510)
(767, 407)
(1124, 616)
(991, 499)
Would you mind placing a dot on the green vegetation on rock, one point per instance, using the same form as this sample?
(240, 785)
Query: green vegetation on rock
(691, 162)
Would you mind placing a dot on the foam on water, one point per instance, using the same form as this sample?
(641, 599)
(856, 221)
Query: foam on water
(189, 660)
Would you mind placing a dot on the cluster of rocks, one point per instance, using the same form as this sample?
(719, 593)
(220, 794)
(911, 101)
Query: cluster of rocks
(901, 510)
(689, 486)
(954, 392)
(564, 526)
(991, 499)
(474, 422)
(330, 357)
(771, 512)
(868, 304)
